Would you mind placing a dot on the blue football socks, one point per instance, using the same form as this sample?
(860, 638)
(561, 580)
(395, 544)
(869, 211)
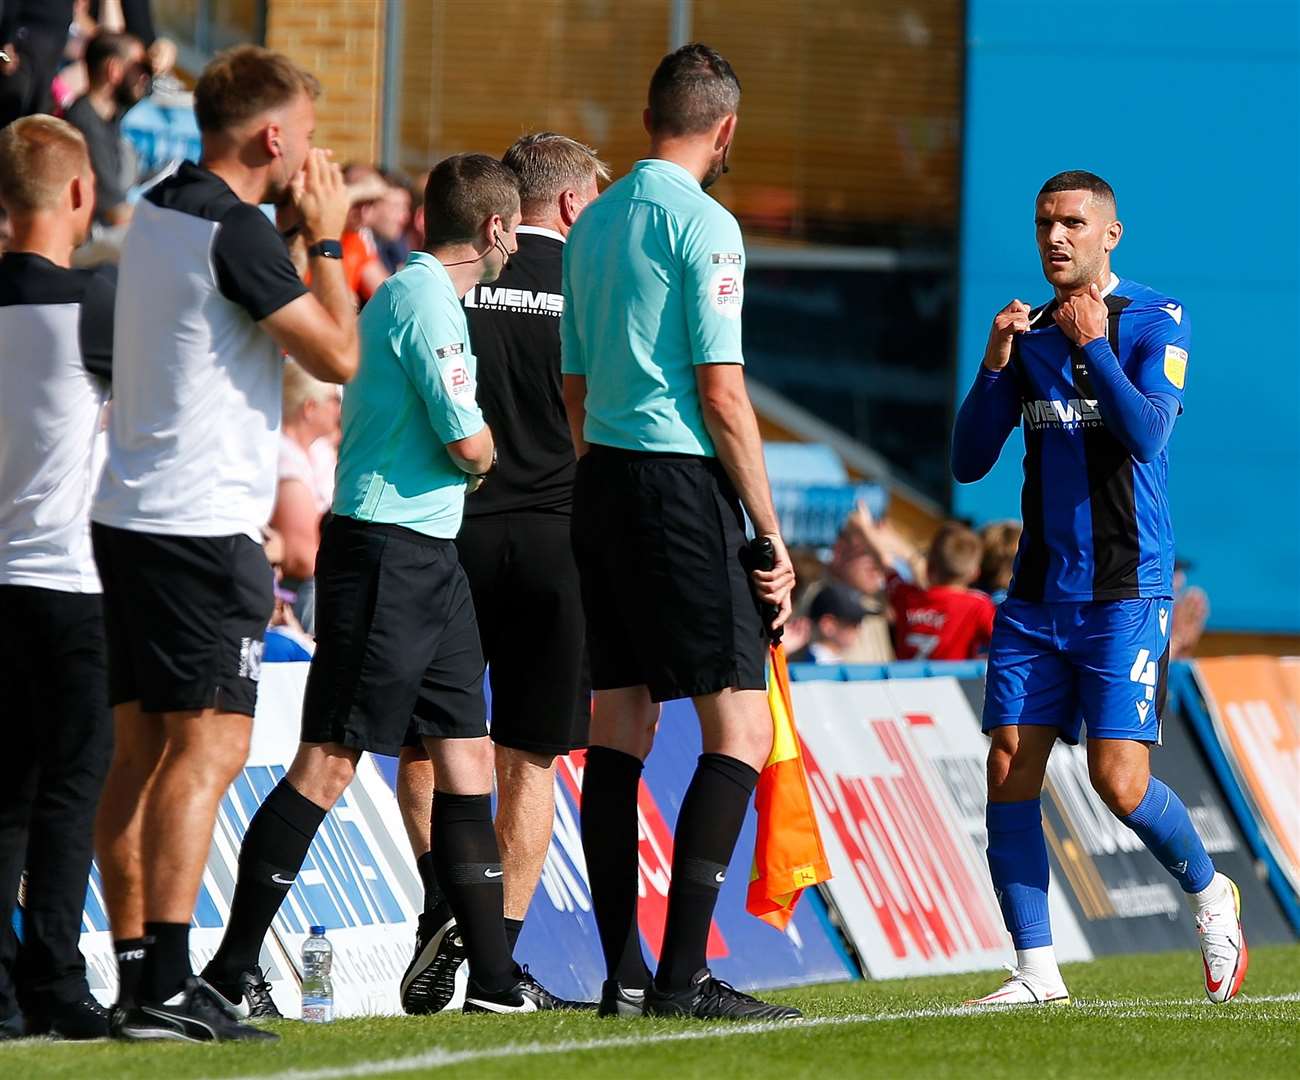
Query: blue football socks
(1162, 823)
(1018, 865)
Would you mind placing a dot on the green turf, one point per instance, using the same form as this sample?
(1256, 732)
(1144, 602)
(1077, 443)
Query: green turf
(1140, 1016)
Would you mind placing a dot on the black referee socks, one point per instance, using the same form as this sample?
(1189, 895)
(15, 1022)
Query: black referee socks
(270, 857)
(713, 811)
(469, 870)
(130, 965)
(609, 844)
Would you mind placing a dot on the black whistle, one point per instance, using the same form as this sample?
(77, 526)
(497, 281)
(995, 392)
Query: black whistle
(762, 556)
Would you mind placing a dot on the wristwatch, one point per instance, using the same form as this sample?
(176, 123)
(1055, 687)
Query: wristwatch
(325, 249)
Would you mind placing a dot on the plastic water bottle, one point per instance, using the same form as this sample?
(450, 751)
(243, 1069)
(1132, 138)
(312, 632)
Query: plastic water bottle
(317, 988)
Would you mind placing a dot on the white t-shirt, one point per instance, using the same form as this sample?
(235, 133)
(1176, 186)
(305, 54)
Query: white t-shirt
(56, 335)
(195, 425)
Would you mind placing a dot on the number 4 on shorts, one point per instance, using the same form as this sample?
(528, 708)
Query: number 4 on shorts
(1144, 669)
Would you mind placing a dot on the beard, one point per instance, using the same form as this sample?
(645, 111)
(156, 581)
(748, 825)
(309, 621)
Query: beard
(129, 93)
(717, 166)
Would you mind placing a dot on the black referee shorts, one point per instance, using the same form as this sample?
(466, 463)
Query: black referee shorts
(185, 617)
(529, 607)
(397, 646)
(659, 540)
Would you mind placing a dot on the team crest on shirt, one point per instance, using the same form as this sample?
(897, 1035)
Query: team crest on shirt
(727, 293)
(1176, 365)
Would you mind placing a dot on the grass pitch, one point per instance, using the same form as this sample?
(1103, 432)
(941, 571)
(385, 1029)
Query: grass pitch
(1139, 1016)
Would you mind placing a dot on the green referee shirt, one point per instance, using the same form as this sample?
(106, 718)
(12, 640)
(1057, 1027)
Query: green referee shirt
(653, 285)
(414, 392)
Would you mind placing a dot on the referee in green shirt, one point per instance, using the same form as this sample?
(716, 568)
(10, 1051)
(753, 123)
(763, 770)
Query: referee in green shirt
(397, 650)
(670, 452)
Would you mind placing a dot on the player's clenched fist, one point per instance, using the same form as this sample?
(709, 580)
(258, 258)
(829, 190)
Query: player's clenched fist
(1011, 320)
(1082, 318)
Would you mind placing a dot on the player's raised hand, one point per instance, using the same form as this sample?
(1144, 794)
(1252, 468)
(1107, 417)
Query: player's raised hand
(1082, 318)
(323, 198)
(1011, 320)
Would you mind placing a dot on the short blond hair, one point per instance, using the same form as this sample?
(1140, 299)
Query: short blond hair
(301, 387)
(548, 163)
(38, 156)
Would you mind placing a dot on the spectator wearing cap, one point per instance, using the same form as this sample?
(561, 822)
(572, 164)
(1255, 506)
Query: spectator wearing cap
(836, 613)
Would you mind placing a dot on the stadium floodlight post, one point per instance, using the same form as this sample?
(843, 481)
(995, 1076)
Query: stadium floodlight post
(389, 131)
(681, 24)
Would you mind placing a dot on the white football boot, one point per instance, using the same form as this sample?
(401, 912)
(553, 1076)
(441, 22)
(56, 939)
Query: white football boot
(1020, 989)
(1223, 944)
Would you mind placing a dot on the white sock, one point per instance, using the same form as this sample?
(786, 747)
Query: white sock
(1039, 966)
(1213, 893)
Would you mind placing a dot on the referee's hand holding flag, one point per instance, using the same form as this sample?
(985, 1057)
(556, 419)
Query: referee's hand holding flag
(788, 852)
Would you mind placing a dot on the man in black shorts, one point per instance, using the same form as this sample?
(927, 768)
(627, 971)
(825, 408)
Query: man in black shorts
(207, 299)
(397, 643)
(654, 381)
(56, 353)
(514, 546)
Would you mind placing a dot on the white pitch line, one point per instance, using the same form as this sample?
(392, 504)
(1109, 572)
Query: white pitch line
(438, 1059)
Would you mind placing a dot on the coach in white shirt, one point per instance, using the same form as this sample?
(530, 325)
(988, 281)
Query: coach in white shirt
(56, 327)
(207, 299)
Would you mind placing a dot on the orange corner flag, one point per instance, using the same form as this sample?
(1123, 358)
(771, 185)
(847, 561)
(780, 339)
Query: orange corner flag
(788, 852)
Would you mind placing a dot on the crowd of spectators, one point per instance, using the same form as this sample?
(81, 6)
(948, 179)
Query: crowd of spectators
(876, 597)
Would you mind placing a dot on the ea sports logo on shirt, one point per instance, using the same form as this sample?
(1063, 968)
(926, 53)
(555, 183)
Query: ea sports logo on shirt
(727, 293)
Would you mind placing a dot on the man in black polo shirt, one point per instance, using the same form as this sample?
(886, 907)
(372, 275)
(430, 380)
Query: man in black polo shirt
(56, 345)
(514, 546)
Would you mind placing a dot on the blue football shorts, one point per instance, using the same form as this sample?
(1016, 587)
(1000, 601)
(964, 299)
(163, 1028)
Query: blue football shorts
(1062, 665)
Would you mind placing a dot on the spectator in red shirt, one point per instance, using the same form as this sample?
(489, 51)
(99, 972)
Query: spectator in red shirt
(945, 619)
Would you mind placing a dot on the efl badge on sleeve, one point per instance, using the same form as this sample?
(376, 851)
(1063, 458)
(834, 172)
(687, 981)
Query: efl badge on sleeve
(1176, 365)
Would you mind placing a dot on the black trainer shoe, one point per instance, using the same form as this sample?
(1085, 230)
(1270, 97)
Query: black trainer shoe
(83, 1019)
(430, 980)
(708, 998)
(544, 999)
(249, 995)
(513, 1000)
(197, 1014)
(617, 1000)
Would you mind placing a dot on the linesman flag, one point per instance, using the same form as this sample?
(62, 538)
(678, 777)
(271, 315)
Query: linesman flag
(788, 852)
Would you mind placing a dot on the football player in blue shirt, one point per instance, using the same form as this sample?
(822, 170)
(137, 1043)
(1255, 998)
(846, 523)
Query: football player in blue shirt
(1096, 378)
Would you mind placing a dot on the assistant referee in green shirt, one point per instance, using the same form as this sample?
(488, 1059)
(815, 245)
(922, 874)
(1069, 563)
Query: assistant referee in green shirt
(670, 452)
